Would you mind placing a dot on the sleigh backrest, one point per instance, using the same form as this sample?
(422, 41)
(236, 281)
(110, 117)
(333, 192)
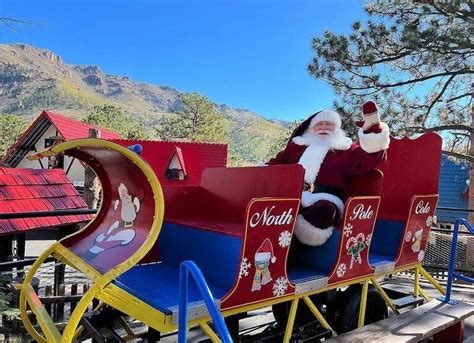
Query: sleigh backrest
(235, 187)
(365, 185)
(412, 168)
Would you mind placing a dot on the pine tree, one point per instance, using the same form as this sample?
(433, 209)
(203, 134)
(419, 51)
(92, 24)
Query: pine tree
(415, 58)
(12, 128)
(7, 298)
(113, 118)
(197, 121)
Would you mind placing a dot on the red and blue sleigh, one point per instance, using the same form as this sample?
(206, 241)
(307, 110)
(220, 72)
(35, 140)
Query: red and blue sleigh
(233, 216)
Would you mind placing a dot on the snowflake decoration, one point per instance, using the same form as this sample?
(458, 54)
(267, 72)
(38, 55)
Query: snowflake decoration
(421, 255)
(348, 230)
(280, 286)
(429, 221)
(368, 239)
(244, 268)
(408, 236)
(285, 239)
(341, 270)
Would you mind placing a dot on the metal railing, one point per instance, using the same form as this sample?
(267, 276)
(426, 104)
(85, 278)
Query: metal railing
(451, 273)
(185, 268)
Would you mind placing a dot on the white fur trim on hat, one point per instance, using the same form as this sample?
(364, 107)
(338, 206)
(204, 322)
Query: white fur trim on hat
(309, 234)
(326, 115)
(374, 142)
(308, 199)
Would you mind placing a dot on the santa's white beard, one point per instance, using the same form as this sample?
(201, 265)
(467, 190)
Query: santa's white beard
(128, 212)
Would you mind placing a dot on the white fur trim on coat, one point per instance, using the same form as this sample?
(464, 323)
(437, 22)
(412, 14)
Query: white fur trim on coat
(308, 199)
(311, 160)
(374, 142)
(310, 235)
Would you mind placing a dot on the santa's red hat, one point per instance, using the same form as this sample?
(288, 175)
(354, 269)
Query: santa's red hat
(265, 252)
(324, 115)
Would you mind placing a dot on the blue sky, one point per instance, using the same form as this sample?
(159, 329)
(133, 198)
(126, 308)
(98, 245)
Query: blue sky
(246, 53)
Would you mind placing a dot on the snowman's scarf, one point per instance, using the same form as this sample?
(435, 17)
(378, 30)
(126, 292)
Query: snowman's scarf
(262, 277)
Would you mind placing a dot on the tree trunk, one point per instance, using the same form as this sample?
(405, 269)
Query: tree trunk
(471, 171)
(91, 185)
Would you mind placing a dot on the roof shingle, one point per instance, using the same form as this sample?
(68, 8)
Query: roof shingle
(29, 190)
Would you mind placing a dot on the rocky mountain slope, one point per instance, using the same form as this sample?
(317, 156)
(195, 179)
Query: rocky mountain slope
(33, 79)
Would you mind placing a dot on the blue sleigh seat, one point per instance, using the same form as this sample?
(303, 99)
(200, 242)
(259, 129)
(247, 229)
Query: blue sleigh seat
(386, 241)
(157, 284)
(314, 262)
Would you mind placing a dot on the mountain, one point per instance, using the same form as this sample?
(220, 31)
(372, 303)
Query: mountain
(33, 79)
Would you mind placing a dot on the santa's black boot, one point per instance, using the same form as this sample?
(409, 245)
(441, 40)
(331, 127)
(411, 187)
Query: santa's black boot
(322, 214)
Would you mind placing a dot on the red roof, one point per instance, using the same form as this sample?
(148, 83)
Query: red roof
(29, 190)
(73, 129)
(67, 128)
(196, 156)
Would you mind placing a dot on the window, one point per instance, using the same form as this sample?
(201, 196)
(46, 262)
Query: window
(176, 169)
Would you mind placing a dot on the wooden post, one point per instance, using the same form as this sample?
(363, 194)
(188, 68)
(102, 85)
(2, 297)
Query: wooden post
(59, 272)
(6, 248)
(20, 250)
(60, 304)
(91, 186)
(48, 291)
(73, 292)
(20, 246)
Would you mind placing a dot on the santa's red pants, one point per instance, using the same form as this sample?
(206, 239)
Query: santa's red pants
(322, 214)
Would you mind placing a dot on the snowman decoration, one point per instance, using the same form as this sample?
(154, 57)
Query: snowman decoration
(417, 240)
(263, 256)
(121, 231)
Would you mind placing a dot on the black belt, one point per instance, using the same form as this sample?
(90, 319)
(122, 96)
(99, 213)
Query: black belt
(318, 188)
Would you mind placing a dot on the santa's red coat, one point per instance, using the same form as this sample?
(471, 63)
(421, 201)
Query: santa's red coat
(337, 165)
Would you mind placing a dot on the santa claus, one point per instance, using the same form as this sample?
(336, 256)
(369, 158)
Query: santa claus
(121, 231)
(328, 157)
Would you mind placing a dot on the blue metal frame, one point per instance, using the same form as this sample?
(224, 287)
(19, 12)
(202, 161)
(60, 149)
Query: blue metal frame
(452, 260)
(185, 268)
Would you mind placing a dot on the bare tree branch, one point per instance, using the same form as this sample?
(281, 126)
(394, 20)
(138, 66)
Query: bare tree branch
(430, 107)
(471, 94)
(14, 20)
(458, 155)
(441, 128)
